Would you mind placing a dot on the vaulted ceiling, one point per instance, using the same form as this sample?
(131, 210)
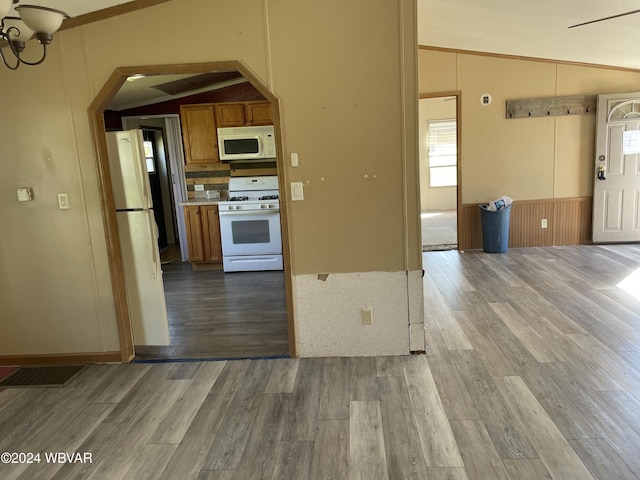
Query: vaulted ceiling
(531, 28)
(528, 28)
(535, 28)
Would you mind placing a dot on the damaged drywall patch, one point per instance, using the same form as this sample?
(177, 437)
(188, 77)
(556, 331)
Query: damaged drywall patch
(329, 314)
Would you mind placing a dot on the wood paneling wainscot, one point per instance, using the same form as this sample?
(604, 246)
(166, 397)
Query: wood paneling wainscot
(568, 223)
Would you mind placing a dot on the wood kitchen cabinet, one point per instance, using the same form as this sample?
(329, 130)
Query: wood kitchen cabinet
(258, 113)
(199, 135)
(243, 114)
(203, 233)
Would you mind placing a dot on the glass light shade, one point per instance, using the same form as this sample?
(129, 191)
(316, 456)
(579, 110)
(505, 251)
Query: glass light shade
(25, 33)
(5, 7)
(41, 19)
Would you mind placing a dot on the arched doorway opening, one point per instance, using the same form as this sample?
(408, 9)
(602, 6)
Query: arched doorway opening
(114, 250)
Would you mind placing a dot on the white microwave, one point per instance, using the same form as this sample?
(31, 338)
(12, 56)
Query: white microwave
(246, 143)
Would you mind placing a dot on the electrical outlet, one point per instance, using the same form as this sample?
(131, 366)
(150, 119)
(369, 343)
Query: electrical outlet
(63, 201)
(543, 223)
(367, 316)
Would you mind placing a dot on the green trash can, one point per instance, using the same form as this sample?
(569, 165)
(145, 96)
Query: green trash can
(495, 229)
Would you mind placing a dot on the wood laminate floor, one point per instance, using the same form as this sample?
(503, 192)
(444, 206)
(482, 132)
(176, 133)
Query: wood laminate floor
(532, 372)
(213, 314)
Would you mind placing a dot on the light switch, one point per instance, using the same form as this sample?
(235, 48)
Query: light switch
(63, 201)
(294, 159)
(25, 194)
(297, 191)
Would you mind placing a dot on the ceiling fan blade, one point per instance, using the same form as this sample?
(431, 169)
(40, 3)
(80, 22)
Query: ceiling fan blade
(606, 18)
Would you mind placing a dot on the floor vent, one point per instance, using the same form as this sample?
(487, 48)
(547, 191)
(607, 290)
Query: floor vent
(57, 376)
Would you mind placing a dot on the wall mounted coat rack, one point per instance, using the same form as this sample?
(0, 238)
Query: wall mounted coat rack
(552, 106)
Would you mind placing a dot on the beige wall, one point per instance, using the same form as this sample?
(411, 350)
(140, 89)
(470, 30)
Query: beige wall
(527, 158)
(348, 106)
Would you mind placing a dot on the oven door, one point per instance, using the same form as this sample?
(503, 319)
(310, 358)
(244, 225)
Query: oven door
(254, 232)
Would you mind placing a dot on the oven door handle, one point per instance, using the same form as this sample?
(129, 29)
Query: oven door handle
(248, 212)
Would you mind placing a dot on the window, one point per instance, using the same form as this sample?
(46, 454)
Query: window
(148, 151)
(442, 153)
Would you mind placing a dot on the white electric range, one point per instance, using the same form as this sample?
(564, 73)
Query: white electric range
(250, 225)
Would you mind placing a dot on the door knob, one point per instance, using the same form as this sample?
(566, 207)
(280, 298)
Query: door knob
(601, 172)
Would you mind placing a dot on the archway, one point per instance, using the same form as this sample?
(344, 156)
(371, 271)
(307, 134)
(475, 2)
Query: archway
(97, 124)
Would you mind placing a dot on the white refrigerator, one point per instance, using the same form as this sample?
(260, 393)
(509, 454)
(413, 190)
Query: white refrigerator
(138, 236)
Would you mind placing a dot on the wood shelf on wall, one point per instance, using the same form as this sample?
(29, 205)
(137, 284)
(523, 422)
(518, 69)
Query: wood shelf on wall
(552, 106)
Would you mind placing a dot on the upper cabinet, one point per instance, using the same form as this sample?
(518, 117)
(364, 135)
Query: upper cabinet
(258, 113)
(200, 121)
(199, 133)
(243, 114)
(230, 114)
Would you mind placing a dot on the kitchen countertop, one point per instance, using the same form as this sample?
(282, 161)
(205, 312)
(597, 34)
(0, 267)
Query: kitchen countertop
(195, 202)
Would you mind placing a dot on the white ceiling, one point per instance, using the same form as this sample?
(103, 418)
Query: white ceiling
(75, 8)
(140, 91)
(535, 28)
(532, 28)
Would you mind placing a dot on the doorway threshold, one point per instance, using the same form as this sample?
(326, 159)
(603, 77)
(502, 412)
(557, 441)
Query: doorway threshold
(440, 247)
(213, 359)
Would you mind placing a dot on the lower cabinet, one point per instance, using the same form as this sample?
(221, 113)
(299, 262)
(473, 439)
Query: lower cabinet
(203, 233)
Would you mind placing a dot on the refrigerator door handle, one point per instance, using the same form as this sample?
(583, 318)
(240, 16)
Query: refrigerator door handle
(153, 230)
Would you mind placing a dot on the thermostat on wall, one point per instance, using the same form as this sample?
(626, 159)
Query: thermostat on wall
(25, 194)
(485, 99)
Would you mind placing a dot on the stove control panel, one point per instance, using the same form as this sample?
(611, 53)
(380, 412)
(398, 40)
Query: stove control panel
(248, 207)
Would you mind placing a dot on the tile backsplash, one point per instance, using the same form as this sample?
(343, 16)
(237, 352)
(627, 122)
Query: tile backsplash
(211, 177)
(214, 177)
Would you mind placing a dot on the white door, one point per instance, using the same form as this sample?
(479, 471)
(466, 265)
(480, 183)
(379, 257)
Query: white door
(143, 277)
(616, 191)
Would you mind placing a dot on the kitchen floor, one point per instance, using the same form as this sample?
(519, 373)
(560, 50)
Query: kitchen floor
(213, 314)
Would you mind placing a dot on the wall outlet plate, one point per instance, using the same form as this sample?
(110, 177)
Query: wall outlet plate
(63, 201)
(25, 194)
(297, 191)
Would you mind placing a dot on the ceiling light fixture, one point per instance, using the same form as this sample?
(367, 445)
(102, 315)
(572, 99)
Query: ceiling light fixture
(42, 22)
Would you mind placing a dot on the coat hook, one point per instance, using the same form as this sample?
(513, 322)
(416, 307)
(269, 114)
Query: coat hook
(568, 111)
(548, 112)
(529, 112)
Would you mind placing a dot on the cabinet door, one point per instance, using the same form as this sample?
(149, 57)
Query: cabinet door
(193, 223)
(230, 115)
(211, 234)
(199, 134)
(259, 113)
